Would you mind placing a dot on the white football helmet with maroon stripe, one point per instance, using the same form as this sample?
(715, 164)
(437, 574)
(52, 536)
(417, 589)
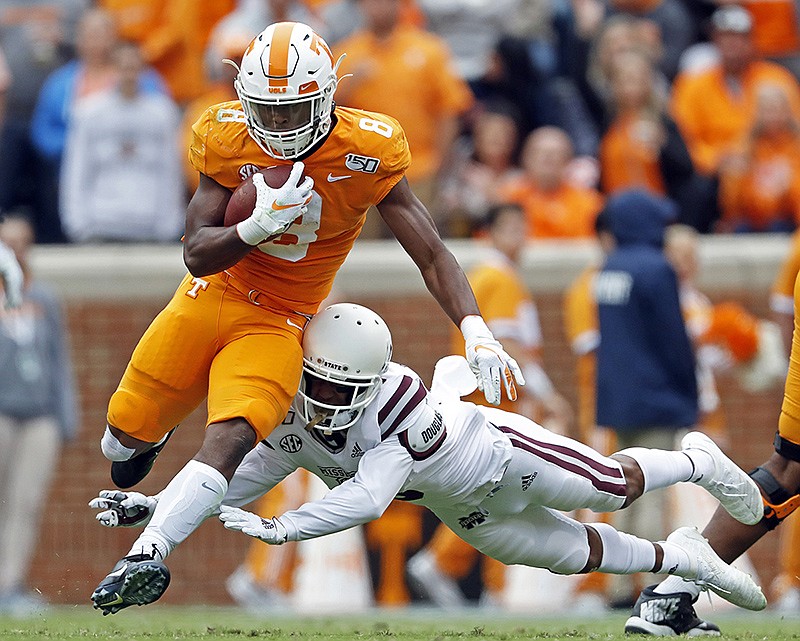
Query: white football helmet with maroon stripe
(286, 83)
(346, 349)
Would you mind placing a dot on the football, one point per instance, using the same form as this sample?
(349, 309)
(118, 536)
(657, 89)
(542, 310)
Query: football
(243, 199)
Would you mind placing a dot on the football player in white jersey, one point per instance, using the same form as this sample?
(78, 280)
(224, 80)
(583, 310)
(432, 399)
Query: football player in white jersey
(372, 432)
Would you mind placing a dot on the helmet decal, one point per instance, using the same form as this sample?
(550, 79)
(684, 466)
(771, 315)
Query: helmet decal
(282, 56)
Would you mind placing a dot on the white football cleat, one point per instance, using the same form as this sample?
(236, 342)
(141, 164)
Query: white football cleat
(714, 574)
(729, 484)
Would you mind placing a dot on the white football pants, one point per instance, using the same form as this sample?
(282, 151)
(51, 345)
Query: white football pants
(521, 522)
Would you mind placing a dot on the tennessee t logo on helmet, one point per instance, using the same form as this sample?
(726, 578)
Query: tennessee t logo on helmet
(286, 84)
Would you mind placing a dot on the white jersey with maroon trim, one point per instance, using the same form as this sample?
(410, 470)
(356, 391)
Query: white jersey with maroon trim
(405, 445)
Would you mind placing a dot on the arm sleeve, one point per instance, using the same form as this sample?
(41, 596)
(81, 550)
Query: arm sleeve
(381, 475)
(261, 469)
(782, 290)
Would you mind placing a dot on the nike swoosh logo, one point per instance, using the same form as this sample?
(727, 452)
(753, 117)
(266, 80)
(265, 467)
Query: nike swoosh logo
(116, 601)
(208, 487)
(293, 324)
(333, 179)
(278, 207)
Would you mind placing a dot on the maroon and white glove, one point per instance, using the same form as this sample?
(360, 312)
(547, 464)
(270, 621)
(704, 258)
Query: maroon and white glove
(270, 531)
(123, 509)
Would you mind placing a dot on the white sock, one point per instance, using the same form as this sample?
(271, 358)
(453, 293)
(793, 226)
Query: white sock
(624, 553)
(677, 561)
(702, 461)
(673, 584)
(190, 498)
(661, 468)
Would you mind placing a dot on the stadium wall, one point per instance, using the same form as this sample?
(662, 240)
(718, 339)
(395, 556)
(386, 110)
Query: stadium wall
(111, 293)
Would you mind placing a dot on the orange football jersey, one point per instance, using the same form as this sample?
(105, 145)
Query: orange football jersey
(508, 309)
(712, 119)
(583, 333)
(364, 157)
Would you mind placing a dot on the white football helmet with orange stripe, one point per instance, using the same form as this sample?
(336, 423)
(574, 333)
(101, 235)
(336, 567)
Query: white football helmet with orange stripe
(285, 84)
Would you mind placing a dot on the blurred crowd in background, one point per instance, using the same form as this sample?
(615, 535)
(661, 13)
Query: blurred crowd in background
(537, 111)
(550, 104)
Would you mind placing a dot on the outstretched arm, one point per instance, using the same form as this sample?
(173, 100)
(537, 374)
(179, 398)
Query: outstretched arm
(414, 228)
(261, 470)
(381, 475)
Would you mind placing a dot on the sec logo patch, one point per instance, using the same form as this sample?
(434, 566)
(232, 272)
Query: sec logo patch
(291, 444)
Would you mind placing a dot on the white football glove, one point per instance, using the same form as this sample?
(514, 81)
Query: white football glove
(11, 274)
(276, 208)
(494, 369)
(123, 509)
(268, 530)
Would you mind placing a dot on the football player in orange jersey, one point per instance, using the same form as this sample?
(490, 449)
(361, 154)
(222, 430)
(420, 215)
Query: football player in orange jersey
(232, 331)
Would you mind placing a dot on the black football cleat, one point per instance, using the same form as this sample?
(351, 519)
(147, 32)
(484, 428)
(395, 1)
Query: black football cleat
(135, 580)
(667, 615)
(128, 473)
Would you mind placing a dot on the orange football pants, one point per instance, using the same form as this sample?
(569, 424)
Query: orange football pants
(212, 339)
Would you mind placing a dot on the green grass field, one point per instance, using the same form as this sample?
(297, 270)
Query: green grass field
(159, 623)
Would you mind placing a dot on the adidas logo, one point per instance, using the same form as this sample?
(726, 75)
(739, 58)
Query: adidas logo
(357, 451)
(527, 479)
(656, 610)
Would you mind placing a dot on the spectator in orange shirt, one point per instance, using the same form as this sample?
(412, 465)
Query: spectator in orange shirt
(172, 35)
(715, 108)
(642, 148)
(776, 31)
(594, 50)
(554, 207)
(760, 188)
(406, 73)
